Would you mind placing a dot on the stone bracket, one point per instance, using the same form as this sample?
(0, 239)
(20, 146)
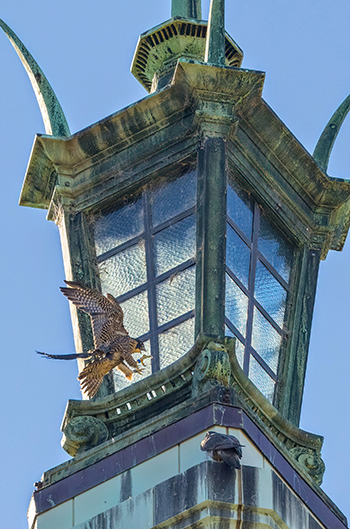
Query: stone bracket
(82, 433)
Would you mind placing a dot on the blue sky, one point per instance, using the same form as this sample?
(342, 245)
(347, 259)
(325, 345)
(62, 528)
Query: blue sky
(85, 49)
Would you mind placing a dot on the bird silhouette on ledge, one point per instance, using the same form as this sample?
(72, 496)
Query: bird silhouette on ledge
(113, 345)
(223, 448)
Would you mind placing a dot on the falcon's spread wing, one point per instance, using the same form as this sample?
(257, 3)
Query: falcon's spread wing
(105, 312)
(92, 375)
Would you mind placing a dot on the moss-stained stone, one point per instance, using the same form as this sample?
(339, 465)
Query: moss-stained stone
(288, 505)
(126, 486)
(209, 495)
(133, 512)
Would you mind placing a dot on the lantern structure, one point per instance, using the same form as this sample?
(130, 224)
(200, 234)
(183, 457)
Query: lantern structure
(205, 217)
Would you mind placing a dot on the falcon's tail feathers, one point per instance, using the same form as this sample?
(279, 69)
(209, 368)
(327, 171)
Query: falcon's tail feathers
(72, 356)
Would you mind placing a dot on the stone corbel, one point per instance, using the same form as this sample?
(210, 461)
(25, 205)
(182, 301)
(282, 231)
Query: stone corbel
(311, 462)
(82, 433)
(212, 369)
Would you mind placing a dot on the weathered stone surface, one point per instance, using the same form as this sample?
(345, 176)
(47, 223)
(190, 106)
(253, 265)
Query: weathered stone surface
(212, 369)
(210, 495)
(216, 376)
(83, 433)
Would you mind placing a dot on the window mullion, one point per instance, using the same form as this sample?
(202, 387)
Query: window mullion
(235, 331)
(251, 285)
(152, 306)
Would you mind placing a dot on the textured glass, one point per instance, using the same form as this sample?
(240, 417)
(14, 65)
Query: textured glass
(236, 305)
(136, 319)
(261, 379)
(270, 293)
(237, 256)
(275, 248)
(239, 209)
(121, 381)
(175, 245)
(173, 197)
(119, 226)
(175, 296)
(239, 346)
(266, 340)
(175, 342)
(124, 271)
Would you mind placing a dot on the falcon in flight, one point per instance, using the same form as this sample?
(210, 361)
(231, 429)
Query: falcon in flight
(113, 345)
(224, 448)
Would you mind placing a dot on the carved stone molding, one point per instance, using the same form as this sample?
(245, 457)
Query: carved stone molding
(205, 367)
(82, 433)
(212, 369)
(310, 460)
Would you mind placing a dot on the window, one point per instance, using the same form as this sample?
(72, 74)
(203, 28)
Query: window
(146, 258)
(258, 267)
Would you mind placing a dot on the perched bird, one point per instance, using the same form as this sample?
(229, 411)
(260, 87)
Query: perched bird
(113, 345)
(224, 448)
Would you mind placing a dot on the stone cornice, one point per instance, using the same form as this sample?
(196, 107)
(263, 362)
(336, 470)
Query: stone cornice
(163, 399)
(200, 100)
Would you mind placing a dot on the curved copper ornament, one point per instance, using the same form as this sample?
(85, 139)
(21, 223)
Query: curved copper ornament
(325, 144)
(51, 111)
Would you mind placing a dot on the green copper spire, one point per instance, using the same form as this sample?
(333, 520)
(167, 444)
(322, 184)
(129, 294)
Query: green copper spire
(186, 8)
(325, 144)
(215, 45)
(51, 111)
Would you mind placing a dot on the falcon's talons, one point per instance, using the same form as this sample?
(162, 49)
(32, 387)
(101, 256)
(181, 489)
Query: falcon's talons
(141, 360)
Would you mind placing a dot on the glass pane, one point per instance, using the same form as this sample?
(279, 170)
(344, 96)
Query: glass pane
(266, 340)
(261, 379)
(236, 304)
(175, 296)
(237, 256)
(124, 271)
(239, 347)
(173, 197)
(121, 381)
(239, 209)
(175, 245)
(175, 342)
(275, 248)
(119, 226)
(136, 319)
(270, 293)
